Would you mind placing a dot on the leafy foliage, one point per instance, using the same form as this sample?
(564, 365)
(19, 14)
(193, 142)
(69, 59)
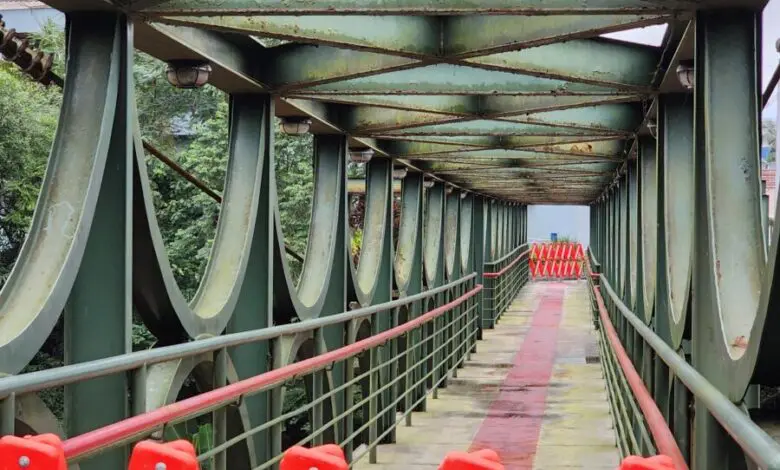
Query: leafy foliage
(28, 119)
(191, 127)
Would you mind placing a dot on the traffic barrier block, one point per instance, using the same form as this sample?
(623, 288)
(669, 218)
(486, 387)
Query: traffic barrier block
(559, 260)
(658, 462)
(485, 459)
(42, 452)
(327, 457)
(176, 455)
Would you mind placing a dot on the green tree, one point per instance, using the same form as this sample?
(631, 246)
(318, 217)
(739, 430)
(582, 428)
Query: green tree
(187, 217)
(28, 119)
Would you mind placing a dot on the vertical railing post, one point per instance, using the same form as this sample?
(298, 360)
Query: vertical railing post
(219, 416)
(7, 415)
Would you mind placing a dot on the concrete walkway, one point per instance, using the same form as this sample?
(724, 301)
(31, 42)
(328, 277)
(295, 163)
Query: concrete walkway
(533, 392)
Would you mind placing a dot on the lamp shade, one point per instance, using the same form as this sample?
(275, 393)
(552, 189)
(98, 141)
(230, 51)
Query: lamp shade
(295, 125)
(188, 74)
(685, 73)
(361, 155)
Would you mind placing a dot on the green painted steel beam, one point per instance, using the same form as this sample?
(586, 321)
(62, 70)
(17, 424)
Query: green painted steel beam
(611, 117)
(420, 37)
(455, 105)
(601, 62)
(296, 65)
(426, 145)
(608, 117)
(233, 67)
(368, 119)
(421, 7)
(441, 104)
(504, 105)
(467, 36)
(497, 128)
(509, 155)
(447, 79)
(406, 35)
(517, 141)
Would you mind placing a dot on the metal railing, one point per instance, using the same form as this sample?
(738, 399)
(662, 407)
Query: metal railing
(503, 279)
(380, 376)
(756, 444)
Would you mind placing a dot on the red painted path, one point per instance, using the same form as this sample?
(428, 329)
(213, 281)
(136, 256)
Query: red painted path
(515, 435)
(529, 393)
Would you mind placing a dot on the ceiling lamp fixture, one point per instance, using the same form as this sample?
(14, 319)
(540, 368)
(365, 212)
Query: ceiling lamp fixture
(428, 184)
(685, 73)
(463, 194)
(400, 173)
(652, 126)
(363, 155)
(295, 125)
(188, 73)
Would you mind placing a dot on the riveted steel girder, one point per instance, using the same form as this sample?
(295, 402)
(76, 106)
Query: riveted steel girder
(404, 35)
(423, 7)
(291, 66)
(470, 35)
(611, 117)
(600, 62)
(448, 79)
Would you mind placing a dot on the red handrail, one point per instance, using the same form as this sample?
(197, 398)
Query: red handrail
(127, 429)
(662, 435)
(507, 267)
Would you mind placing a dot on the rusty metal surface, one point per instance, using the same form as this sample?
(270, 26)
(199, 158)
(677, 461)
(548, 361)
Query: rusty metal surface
(457, 89)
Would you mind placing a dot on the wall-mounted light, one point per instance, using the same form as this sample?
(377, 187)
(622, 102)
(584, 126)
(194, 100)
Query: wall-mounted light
(188, 73)
(448, 189)
(400, 173)
(685, 73)
(652, 126)
(463, 194)
(428, 184)
(295, 125)
(363, 155)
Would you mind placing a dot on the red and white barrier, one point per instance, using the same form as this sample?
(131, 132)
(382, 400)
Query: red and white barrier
(557, 260)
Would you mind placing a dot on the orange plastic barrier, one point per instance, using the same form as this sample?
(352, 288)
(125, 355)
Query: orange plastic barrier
(327, 457)
(176, 455)
(485, 459)
(556, 260)
(42, 452)
(658, 462)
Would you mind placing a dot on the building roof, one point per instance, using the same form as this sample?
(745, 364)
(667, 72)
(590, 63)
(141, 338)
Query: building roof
(21, 5)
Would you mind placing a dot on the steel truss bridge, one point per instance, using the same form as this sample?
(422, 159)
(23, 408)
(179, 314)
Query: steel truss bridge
(490, 106)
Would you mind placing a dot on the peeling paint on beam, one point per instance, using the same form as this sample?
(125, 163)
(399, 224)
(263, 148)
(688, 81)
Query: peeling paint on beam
(447, 79)
(594, 61)
(291, 66)
(623, 118)
(499, 128)
(508, 155)
(412, 35)
(468, 36)
(417, 7)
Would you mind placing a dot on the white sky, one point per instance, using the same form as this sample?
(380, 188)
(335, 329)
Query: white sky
(653, 35)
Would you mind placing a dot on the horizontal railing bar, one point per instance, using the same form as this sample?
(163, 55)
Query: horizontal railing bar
(506, 256)
(507, 267)
(40, 380)
(662, 435)
(758, 445)
(119, 432)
